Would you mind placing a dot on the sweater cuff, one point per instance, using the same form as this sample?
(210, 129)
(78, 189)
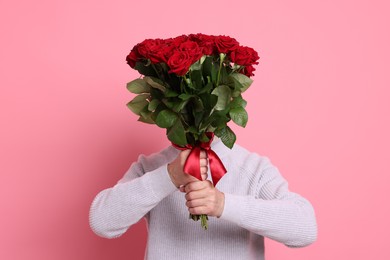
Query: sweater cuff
(234, 208)
(159, 183)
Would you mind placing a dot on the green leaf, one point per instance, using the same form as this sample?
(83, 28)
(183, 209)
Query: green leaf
(169, 102)
(193, 130)
(202, 59)
(176, 134)
(209, 101)
(138, 103)
(192, 138)
(207, 66)
(158, 109)
(223, 77)
(224, 95)
(156, 93)
(170, 93)
(146, 120)
(204, 138)
(153, 104)
(146, 117)
(231, 82)
(219, 120)
(236, 93)
(214, 72)
(153, 82)
(227, 136)
(243, 80)
(196, 77)
(144, 69)
(198, 117)
(166, 118)
(238, 102)
(185, 96)
(239, 116)
(198, 105)
(209, 120)
(188, 84)
(187, 117)
(196, 65)
(179, 105)
(187, 87)
(207, 88)
(138, 86)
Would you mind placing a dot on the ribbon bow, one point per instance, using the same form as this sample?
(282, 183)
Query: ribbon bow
(192, 165)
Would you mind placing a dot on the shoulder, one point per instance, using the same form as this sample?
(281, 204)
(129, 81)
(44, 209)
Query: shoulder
(260, 172)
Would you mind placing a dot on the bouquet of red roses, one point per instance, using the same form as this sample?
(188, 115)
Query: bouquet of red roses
(192, 87)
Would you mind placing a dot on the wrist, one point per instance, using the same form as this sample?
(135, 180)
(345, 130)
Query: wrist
(221, 204)
(171, 176)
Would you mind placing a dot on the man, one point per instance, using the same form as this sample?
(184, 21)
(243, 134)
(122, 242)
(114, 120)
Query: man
(250, 202)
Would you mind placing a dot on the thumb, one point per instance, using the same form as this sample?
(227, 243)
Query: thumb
(182, 188)
(184, 154)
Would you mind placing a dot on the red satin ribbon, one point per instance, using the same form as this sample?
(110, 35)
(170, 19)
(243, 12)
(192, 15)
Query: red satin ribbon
(192, 165)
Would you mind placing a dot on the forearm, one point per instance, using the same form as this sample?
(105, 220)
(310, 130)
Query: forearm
(115, 209)
(290, 221)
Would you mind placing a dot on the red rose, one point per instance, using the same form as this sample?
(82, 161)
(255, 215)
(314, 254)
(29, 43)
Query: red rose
(166, 52)
(144, 47)
(179, 63)
(133, 56)
(152, 49)
(193, 50)
(179, 40)
(158, 53)
(225, 44)
(248, 71)
(205, 42)
(244, 56)
(167, 48)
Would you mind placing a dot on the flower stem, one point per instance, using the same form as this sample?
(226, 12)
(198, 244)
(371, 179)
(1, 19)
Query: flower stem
(221, 58)
(155, 70)
(203, 220)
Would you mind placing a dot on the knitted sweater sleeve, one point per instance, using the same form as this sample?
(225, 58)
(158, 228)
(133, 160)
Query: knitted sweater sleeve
(115, 209)
(272, 210)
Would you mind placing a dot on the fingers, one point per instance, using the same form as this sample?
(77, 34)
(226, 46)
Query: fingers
(203, 173)
(203, 162)
(195, 195)
(197, 185)
(203, 154)
(195, 203)
(203, 167)
(199, 210)
(208, 200)
(176, 171)
(183, 155)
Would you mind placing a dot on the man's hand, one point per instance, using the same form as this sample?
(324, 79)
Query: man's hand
(178, 176)
(203, 198)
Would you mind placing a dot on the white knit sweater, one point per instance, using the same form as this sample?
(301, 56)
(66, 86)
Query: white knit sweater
(258, 204)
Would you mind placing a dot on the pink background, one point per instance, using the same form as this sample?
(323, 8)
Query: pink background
(319, 109)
